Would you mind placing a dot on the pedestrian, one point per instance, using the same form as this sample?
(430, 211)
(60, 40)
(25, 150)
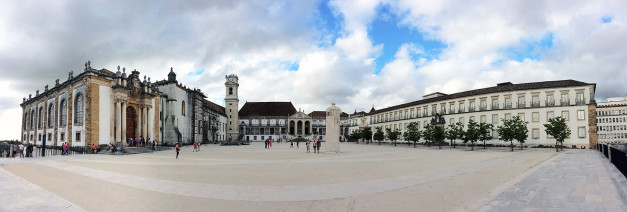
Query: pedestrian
(266, 142)
(135, 143)
(64, 148)
(199, 146)
(318, 145)
(307, 145)
(270, 143)
(154, 145)
(34, 150)
(195, 146)
(298, 143)
(291, 143)
(314, 146)
(29, 150)
(12, 151)
(177, 148)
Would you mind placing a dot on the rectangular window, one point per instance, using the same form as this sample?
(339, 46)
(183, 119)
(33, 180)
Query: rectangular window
(581, 132)
(508, 103)
(62, 136)
(508, 116)
(451, 108)
(443, 109)
(565, 115)
(549, 115)
(535, 133)
(535, 101)
(495, 104)
(472, 118)
(521, 102)
(495, 119)
(78, 137)
(565, 100)
(263, 137)
(462, 108)
(471, 106)
(483, 119)
(522, 116)
(433, 110)
(535, 117)
(550, 100)
(425, 112)
(579, 99)
(484, 105)
(581, 115)
(49, 136)
(461, 120)
(452, 121)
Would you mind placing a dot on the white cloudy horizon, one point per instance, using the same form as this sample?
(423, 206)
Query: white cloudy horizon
(355, 53)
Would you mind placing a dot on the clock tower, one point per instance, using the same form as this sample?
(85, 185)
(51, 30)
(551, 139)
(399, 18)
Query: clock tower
(231, 107)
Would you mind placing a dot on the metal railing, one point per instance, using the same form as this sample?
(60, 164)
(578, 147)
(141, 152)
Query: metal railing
(495, 107)
(535, 104)
(580, 101)
(549, 103)
(565, 102)
(522, 105)
(508, 106)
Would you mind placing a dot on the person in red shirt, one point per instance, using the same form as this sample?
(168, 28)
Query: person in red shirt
(318, 145)
(177, 148)
(195, 147)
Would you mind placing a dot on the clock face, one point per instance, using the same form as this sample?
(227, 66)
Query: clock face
(230, 79)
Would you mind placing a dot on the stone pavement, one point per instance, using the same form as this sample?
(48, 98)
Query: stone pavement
(361, 178)
(17, 194)
(577, 180)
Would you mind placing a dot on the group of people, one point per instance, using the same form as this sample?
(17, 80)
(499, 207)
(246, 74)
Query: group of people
(196, 146)
(316, 146)
(29, 150)
(268, 143)
(141, 141)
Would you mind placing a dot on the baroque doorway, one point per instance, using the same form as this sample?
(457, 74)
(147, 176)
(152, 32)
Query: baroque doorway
(131, 122)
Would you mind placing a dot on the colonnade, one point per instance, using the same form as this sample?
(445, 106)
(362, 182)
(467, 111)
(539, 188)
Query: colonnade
(142, 120)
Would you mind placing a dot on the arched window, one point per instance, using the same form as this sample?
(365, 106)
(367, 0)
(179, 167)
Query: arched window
(32, 119)
(63, 112)
(230, 91)
(25, 120)
(78, 109)
(183, 108)
(40, 120)
(51, 115)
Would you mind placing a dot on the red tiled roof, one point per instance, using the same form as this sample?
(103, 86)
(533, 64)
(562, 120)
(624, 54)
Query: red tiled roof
(107, 71)
(267, 109)
(216, 107)
(316, 114)
(501, 87)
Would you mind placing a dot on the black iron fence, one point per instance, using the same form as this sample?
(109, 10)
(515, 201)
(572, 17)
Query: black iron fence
(617, 154)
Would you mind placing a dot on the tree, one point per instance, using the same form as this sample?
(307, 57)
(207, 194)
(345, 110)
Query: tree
(379, 136)
(558, 128)
(454, 131)
(513, 129)
(356, 135)
(438, 134)
(485, 132)
(472, 134)
(366, 134)
(412, 133)
(392, 135)
(428, 134)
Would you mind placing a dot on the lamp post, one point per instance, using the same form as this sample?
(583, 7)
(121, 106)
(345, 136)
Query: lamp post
(438, 122)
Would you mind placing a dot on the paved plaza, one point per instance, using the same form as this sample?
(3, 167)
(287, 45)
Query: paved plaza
(360, 178)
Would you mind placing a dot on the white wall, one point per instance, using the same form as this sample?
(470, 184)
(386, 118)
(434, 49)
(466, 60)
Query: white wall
(104, 114)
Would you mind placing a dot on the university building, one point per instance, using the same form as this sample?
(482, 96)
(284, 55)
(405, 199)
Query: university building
(534, 102)
(612, 120)
(101, 107)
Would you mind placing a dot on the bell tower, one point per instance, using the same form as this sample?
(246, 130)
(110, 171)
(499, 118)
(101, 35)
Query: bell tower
(231, 102)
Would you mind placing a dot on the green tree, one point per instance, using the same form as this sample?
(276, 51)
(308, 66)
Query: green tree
(454, 131)
(485, 132)
(378, 135)
(428, 134)
(558, 128)
(392, 135)
(472, 134)
(366, 134)
(439, 135)
(513, 129)
(412, 133)
(356, 135)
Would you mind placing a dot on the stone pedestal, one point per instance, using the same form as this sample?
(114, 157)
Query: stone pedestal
(332, 143)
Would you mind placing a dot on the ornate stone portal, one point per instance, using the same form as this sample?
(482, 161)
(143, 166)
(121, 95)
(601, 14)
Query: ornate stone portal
(333, 129)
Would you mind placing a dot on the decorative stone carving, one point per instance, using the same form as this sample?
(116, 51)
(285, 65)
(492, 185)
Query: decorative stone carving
(36, 93)
(332, 143)
(46, 88)
(23, 99)
(29, 96)
(56, 83)
(70, 75)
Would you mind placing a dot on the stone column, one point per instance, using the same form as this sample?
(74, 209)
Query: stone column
(144, 122)
(118, 121)
(123, 134)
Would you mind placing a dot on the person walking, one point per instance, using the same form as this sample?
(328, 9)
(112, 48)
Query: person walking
(318, 145)
(307, 143)
(291, 144)
(198, 150)
(266, 142)
(298, 143)
(195, 147)
(34, 151)
(270, 140)
(177, 148)
(12, 151)
(64, 148)
(314, 146)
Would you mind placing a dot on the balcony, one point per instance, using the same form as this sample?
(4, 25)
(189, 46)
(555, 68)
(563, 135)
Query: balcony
(483, 108)
(522, 105)
(580, 102)
(460, 110)
(565, 102)
(495, 107)
(508, 105)
(549, 103)
(535, 104)
(472, 109)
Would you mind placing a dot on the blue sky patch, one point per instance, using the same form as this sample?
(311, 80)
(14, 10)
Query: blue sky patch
(327, 23)
(196, 73)
(607, 19)
(531, 49)
(386, 30)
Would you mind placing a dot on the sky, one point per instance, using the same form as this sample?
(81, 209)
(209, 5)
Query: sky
(357, 54)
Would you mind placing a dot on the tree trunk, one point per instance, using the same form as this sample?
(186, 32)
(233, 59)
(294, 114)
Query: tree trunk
(414, 144)
(472, 146)
(511, 144)
(483, 144)
(453, 143)
(556, 148)
(562, 146)
(394, 142)
(440, 144)
(521, 145)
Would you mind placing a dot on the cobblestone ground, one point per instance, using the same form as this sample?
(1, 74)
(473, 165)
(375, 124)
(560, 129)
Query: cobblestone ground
(361, 178)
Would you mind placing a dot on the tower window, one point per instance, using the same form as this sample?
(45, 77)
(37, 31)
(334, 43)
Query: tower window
(183, 108)
(230, 91)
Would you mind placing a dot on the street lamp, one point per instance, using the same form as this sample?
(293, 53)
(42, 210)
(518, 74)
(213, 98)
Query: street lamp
(439, 122)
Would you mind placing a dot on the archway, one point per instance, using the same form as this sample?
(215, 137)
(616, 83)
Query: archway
(299, 127)
(307, 125)
(291, 127)
(131, 122)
